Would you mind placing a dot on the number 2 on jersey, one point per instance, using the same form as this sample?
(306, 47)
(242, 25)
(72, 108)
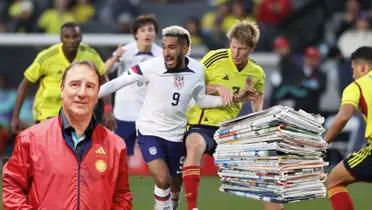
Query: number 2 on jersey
(176, 98)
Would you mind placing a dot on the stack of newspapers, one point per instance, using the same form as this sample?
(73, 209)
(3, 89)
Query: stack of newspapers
(274, 155)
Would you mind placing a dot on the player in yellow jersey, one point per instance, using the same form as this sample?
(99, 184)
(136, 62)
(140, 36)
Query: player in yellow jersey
(47, 70)
(358, 166)
(227, 72)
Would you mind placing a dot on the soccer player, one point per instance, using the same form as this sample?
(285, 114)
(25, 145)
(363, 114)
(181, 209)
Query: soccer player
(357, 166)
(129, 100)
(228, 71)
(47, 70)
(172, 80)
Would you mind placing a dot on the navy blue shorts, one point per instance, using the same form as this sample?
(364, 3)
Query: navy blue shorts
(127, 131)
(359, 163)
(173, 153)
(207, 131)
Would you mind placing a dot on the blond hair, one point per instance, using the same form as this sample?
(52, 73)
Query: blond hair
(245, 31)
(177, 31)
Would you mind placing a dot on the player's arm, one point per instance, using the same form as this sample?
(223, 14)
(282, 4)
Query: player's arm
(114, 59)
(16, 176)
(115, 84)
(225, 93)
(133, 75)
(122, 196)
(23, 87)
(31, 76)
(247, 94)
(349, 103)
(207, 101)
(344, 114)
(257, 103)
(214, 89)
(259, 87)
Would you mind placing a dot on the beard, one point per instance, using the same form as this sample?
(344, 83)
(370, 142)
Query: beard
(179, 62)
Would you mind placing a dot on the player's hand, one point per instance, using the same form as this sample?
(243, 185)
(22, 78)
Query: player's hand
(247, 94)
(109, 120)
(225, 94)
(118, 52)
(15, 125)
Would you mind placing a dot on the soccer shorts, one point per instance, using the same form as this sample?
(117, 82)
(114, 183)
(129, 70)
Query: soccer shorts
(173, 153)
(207, 132)
(127, 131)
(359, 163)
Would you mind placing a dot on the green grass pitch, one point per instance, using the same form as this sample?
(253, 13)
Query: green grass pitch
(211, 199)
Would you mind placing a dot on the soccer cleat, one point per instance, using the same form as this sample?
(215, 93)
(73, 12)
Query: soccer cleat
(175, 197)
(175, 204)
(162, 206)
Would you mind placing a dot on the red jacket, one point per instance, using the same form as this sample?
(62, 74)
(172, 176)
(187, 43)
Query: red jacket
(43, 172)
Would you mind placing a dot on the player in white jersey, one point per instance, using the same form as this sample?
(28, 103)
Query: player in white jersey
(129, 100)
(172, 81)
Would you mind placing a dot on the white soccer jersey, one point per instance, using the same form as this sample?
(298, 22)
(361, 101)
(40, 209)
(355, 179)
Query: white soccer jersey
(129, 100)
(168, 94)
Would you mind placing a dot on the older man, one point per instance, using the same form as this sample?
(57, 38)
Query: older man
(69, 161)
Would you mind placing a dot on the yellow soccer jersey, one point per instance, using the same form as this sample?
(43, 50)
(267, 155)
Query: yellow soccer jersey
(47, 69)
(220, 69)
(359, 94)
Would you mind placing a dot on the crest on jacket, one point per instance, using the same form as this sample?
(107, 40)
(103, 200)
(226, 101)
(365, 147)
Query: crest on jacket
(101, 165)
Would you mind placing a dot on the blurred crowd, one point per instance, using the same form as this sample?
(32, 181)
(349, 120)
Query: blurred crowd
(109, 16)
(304, 23)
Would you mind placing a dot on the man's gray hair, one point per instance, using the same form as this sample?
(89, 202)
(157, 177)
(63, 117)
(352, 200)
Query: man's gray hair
(179, 32)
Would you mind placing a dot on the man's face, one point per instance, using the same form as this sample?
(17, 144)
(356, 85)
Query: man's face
(174, 52)
(71, 38)
(146, 34)
(359, 69)
(239, 52)
(80, 91)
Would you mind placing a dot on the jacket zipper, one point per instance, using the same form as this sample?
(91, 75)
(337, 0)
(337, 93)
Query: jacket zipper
(79, 163)
(78, 186)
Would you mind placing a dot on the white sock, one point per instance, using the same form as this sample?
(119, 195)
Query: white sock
(162, 199)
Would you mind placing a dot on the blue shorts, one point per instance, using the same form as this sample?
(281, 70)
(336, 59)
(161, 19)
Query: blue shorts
(207, 132)
(359, 163)
(173, 153)
(127, 131)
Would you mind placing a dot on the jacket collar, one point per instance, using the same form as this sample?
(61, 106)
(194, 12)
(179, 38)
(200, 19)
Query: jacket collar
(67, 127)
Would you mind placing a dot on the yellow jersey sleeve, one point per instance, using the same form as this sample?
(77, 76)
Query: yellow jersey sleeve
(209, 62)
(351, 95)
(35, 71)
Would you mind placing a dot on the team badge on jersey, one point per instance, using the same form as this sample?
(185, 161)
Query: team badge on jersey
(178, 81)
(101, 165)
(249, 81)
(153, 151)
